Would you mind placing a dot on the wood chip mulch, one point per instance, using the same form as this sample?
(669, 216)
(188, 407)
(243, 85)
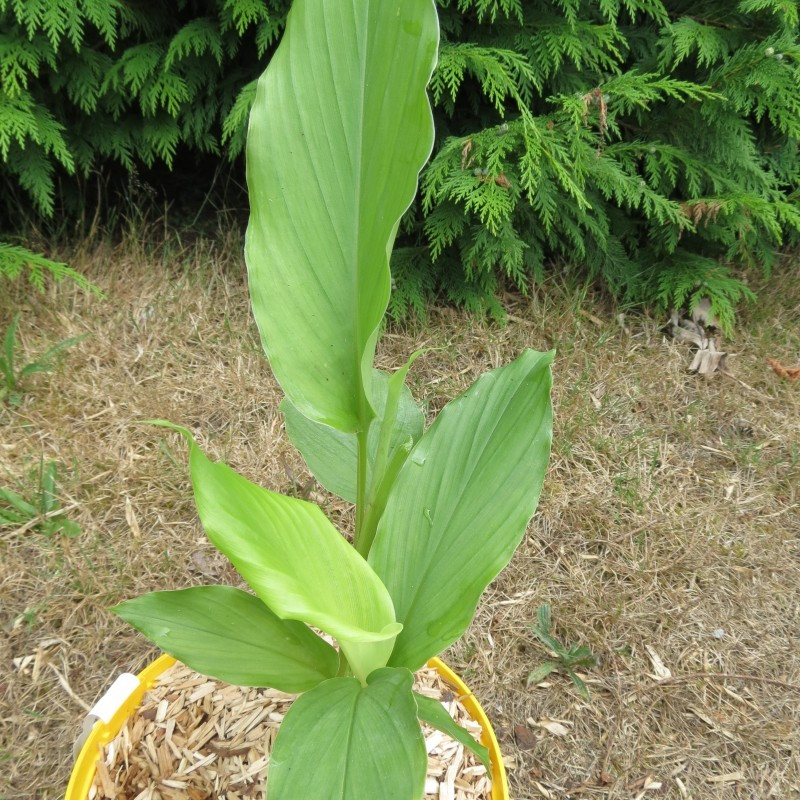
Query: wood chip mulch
(194, 738)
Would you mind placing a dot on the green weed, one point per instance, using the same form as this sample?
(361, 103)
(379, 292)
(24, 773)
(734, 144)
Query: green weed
(37, 509)
(567, 659)
(13, 378)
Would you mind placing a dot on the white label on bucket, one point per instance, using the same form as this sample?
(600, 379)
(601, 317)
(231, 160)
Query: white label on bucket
(105, 708)
(117, 694)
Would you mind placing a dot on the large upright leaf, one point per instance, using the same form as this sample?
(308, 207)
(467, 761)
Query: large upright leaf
(340, 741)
(295, 560)
(461, 503)
(332, 456)
(339, 130)
(231, 635)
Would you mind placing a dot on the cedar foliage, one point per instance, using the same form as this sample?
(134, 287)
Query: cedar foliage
(652, 144)
(85, 85)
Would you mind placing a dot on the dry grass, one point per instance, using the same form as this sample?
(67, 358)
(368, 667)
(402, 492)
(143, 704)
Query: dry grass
(669, 524)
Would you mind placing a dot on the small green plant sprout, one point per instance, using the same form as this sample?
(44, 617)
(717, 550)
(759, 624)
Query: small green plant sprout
(568, 658)
(38, 510)
(14, 378)
(340, 128)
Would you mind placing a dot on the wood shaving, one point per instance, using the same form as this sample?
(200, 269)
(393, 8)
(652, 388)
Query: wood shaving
(197, 739)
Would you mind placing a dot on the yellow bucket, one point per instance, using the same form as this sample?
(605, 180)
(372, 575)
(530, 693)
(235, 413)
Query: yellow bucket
(113, 716)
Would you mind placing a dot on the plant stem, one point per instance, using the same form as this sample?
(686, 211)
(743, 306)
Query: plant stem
(361, 489)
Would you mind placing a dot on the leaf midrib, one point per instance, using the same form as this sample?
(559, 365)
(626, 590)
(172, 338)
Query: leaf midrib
(363, 403)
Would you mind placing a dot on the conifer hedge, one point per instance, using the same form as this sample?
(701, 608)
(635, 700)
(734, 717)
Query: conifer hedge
(650, 143)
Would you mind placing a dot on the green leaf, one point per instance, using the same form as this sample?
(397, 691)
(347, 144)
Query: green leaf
(461, 504)
(344, 742)
(11, 518)
(582, 656)
(544, 617)
(232, 636)
(389, 454)
(295, 560)
(18, 502)
(9, 342)
(34, 368)
(542, 631)
(538, 674)
(435, 714)
(581, 686)
(66, 527)
(49, 476)
(339, 130)
(45, 361)
(332, 456)
(549, 641)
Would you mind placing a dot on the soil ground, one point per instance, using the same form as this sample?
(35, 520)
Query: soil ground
(667, 539)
